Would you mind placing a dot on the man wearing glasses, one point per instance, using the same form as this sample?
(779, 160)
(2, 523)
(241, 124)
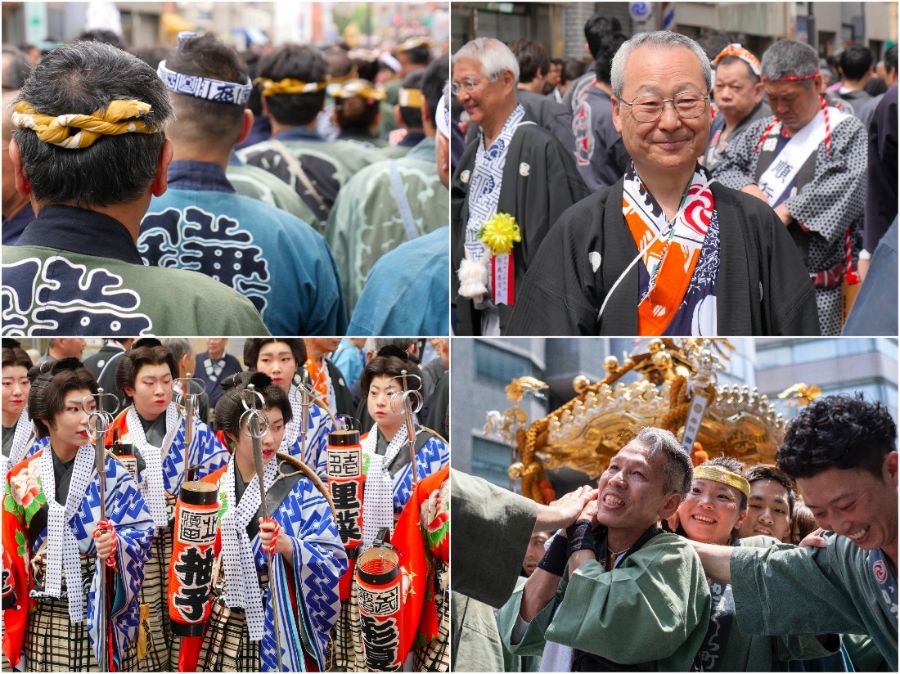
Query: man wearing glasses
(512, 168)
(665, 251)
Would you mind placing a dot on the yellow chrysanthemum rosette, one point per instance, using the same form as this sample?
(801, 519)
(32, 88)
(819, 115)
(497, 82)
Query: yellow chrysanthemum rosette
(500, 232)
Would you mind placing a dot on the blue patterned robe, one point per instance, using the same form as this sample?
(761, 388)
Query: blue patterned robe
(318, 562)
(126, 509)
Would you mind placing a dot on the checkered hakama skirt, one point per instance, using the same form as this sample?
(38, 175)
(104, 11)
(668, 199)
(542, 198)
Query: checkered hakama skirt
(226, 644)
(54, 644)
(346, 638)
(162, 646)
(435, 655)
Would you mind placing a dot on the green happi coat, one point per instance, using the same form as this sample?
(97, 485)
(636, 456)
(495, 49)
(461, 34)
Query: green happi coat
(729, 649)
(257, 183)
(368, 221)
(788, 590)
(651, 610)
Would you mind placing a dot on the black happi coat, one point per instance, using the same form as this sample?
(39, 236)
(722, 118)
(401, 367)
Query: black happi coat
(535, 200)
(762, 287)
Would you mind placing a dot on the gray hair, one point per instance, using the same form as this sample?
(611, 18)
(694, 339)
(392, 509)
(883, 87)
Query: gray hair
(493, 55)
(789, 58)
(179, 347)
(677, 471)
(16, 68)
(80, 78)
(659, 38)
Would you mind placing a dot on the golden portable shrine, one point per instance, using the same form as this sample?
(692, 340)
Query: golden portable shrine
(677, 391)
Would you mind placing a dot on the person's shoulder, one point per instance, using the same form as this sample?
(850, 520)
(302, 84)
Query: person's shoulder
(419, 253)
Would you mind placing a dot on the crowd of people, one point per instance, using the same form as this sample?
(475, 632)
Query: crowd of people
(669, 566)
(673, 189)
(293, 189)
(93, 485)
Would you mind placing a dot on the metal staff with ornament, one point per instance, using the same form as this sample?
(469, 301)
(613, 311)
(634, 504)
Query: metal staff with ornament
(99, 422)
(191, 388)
(257, 427)
(409, 403)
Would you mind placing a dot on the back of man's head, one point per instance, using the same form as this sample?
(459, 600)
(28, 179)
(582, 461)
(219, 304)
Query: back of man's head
(17, 68)
(82, 78)
(534, 61)
(105, 36)
(433, 82)
(856, 62)
(890, 61)
(842, 432)
(597, 28)
(411, 114)
(296, 62)
(200, 121)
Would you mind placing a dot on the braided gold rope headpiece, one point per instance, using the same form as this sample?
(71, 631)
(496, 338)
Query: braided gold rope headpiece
(117, 118)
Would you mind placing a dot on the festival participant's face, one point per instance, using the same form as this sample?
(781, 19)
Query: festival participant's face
(670, 142)
(710, 512)
(15, 389)
(736, 91)
(855, 503)
(632, 493)
(69, 427)
(381, 390)
(794, 103)
(277, 360)
(216, 346)
(152, 390)
(535, 552)
(769, 511)
(71, 347)
(269, 443)
(481, 97)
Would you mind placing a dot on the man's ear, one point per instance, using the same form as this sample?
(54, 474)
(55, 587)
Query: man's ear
(616, 111)
(246, 128)
(670, 505)
(22, 184)
(161, 180)
(890, 468)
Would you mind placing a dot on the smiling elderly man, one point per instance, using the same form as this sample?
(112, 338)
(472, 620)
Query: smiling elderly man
(635, 596)
(841, 452)
(665, 251)
(514, 167)
(808, 162)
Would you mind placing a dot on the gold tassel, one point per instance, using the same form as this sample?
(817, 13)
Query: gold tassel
(143, 631)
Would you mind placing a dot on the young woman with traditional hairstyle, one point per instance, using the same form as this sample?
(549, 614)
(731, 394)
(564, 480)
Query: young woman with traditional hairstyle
(18, 432)
(281, 359)
(389, 479)
(156, 428)
(308, 557)
(55, 540)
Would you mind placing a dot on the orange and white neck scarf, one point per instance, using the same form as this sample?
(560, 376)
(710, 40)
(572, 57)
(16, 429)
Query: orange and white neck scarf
(669, 250)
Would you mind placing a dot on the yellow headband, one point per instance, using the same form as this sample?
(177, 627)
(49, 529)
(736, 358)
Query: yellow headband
(726, 477)
(359, 89)
(340, 79)
(410, 98)
(116, 119)
(288, 86)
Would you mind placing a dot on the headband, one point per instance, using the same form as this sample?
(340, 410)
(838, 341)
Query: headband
(359, 89)
(413, 43)
(736, 50)
(723, 476)
(117, 118)
(288, 86)
(791, 78)
(442, 117)
(204, 87)
(410, 98)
